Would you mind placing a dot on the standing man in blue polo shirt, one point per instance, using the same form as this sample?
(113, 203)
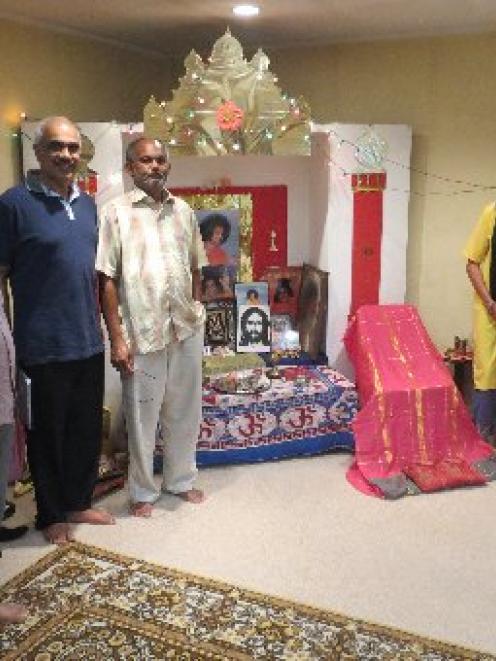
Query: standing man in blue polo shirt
(48, 235)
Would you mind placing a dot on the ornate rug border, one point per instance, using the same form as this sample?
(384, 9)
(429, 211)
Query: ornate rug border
(326, 615)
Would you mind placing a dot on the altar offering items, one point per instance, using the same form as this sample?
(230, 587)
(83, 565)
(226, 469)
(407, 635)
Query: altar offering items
(311, 319)
(244, 382)
(220, 362)
(253, 329)
(284, 289)
(307, 411)
(460, 351)
(413, 432)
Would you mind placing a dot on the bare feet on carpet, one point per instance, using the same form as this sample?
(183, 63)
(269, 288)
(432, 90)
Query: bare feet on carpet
(11, 613)
(92, 516)
(143, 510)
(58, 533)
(195, 496)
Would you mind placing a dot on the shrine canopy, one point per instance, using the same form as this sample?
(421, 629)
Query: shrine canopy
(229, 105)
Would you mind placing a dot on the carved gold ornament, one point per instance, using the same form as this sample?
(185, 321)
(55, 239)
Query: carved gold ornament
(229, 106)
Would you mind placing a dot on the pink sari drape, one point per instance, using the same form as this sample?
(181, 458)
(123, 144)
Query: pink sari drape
(412, 423)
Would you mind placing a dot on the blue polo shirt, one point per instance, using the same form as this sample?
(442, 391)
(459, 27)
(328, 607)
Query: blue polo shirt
(48, 245)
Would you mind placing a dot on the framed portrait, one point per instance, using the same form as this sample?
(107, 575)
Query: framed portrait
(253, 329)
(219, 229)
(217, 283)
(312, 310)
(219, 324)
(237, 207)
(251, 293)
(284, 334)
(284, 288)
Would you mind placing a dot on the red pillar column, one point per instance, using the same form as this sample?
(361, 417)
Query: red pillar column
(368, 190)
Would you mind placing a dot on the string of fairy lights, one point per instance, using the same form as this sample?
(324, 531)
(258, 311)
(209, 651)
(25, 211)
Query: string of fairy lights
(472, 187)
(467, 187)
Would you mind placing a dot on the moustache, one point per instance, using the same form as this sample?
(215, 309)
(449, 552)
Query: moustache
(156, 175)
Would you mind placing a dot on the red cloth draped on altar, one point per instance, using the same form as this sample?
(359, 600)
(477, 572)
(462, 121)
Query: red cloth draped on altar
(413, 432)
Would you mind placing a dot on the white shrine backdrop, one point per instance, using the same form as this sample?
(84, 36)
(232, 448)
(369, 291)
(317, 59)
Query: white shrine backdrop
(320, 206)
(330, 231)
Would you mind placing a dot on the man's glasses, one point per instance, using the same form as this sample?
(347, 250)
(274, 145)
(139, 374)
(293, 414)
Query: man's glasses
(57, 146)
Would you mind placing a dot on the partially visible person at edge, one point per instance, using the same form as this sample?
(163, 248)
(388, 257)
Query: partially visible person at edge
(149, 258)
(48, 234)
(9, 612)
(480, 253)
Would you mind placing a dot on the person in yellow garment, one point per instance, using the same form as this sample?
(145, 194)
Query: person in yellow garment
(481, 270)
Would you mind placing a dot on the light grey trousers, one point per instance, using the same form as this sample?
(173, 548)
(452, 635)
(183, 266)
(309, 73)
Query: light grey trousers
(6, 441)
(166, 386)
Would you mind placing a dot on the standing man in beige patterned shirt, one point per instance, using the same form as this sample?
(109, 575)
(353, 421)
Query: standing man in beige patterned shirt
(149, 258)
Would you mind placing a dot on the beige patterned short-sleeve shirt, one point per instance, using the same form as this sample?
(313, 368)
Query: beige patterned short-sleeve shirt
(151, 248)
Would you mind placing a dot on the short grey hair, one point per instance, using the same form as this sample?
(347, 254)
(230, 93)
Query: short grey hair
(131, 148)
(39, 131)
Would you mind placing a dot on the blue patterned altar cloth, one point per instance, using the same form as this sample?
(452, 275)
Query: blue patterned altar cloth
(289, 419)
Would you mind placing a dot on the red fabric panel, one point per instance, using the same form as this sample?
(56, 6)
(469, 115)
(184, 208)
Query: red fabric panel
(366, 250)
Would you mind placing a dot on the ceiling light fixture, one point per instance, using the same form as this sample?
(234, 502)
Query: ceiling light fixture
(246, 10)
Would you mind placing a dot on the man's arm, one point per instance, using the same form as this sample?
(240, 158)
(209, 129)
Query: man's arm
(196, 277)
(475, 276)
(5, 291)
(121, 356)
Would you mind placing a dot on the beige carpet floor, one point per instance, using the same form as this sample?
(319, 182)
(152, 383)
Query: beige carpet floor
(297, 530)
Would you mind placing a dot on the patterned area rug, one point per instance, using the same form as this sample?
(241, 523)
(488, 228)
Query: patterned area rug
(87, 603)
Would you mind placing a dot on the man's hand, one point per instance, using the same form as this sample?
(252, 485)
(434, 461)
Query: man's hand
(121, 357)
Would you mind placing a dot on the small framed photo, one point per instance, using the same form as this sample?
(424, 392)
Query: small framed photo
(311, 319)
(253, 329)
(284, 335)
(219, 324)
(251, 293)
(284, 288)
(217, 283)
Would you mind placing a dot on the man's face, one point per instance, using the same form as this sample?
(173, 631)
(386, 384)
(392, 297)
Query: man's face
(254, 327)
(149, 167)
(58, 152)
(217, 235)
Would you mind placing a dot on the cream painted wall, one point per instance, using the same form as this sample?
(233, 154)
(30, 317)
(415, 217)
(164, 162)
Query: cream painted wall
(44, 73)
(445, 88)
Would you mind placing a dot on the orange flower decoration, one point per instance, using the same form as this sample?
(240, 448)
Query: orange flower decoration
(229, 116)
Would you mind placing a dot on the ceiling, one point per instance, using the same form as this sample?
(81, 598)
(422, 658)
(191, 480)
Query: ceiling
(162, 27)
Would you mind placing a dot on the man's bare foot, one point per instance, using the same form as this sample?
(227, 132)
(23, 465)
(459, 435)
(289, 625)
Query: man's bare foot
(11, 613)
(58, 533)
(93, 516)
(192, 496)
(144, 510)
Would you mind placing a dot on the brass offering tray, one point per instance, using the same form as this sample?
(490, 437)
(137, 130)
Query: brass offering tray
(241, 384)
